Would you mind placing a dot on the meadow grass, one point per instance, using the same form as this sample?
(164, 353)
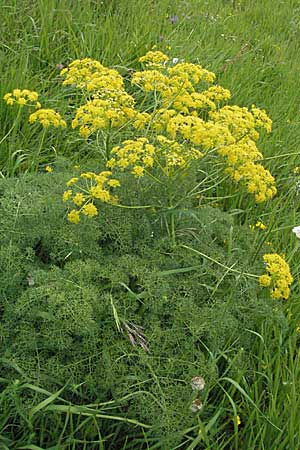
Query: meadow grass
(253, 48)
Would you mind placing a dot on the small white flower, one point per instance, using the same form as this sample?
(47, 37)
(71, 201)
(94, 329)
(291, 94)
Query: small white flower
(198, 383)
(175, 60)
(196, 406)
(296, 230)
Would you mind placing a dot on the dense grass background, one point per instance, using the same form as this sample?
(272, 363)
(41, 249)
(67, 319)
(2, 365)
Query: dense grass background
(253, 47)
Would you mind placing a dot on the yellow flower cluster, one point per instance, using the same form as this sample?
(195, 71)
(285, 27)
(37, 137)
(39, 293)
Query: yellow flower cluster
(197, 131)
(232, 133)
(136, 155)
(173, 155)
(217, 93)
(47, 117)
(256, 178)
(117, 97)
(262, 120)
(154, 59)
(161, 118)
(231, 130)
(91, 75)
(106, 113)
(241, 156)
(241, 152)
(150, 80)
(260, 225)
(192, 72)
(241, 159)
(187, 102)
(110, 105)
(278, 276)
(188, 120)
(242, 122)
(97, 187)
(177, 85)
(22, 97)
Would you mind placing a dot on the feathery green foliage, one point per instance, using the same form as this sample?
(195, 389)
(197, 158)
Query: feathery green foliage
(71, 297)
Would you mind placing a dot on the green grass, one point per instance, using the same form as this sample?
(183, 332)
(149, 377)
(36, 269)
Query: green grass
(253, 47)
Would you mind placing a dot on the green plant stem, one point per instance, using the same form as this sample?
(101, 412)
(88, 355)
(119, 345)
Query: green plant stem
(12, 127)
(251, 275)
(35, 162)
(153, 177)
(107, 143)
(13, 130)
(172, 219)
(135, 207)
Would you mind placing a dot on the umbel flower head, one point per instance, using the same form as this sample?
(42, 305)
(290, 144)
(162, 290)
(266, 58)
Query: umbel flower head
(22, 97)
(105, 113)
(278, 276)
(97, 187)
(47, 117)
(91, 75)
(154, 59)
(135, 155)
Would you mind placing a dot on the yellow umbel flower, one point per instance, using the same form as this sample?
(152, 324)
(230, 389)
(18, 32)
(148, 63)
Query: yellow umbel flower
(240, 121)
(97, 187)
(265, 280)
(136, 155)
(89, 210)
(151, 80)
(154, 59)
(67, 195)
(278, 276)
(47, 117)
(192, 72)
(139, 156)
(113, 183)
(91, 75)
(256, 178)
(260, 225)
(187, 118)
(72, 181)
(177, 85)
(262, 120)
(78, 199)
(22, 97)
(173, 155)
(138, 171)
(102, 113)
(197, 131)
(74, 217)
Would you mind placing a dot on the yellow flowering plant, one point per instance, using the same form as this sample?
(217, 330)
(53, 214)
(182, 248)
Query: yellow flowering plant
(178, 101)
(185, 126)
(42, 116)
(177, 120)
(17, 98)
(167, 138)
(278, 277)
